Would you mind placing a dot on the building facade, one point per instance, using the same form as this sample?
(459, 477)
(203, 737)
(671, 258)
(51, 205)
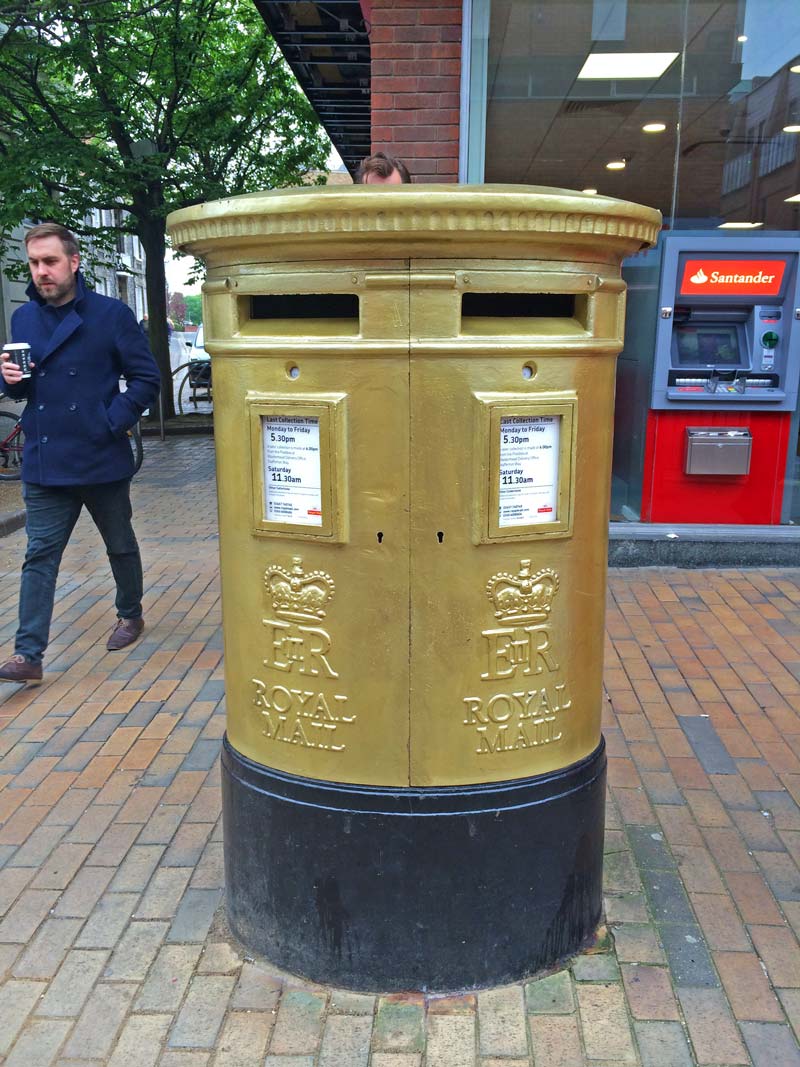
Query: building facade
(689, 106)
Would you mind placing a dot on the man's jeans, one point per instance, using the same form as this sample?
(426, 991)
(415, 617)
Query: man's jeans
(52, 512)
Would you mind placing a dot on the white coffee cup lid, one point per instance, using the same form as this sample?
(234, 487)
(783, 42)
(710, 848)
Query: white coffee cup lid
(13, 346)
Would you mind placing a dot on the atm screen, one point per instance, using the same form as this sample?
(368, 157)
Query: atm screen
(707, 346)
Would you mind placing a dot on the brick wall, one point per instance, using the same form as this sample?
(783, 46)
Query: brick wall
(416, 72)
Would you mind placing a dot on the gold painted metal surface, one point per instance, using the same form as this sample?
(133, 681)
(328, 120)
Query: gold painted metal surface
(409, 638)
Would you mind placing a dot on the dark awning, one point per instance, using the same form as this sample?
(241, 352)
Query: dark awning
(327, 47)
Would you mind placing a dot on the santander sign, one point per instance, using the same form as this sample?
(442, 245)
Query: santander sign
(732, 277)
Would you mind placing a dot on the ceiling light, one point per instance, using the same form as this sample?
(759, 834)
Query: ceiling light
(615, 66)
(739, 225)
(793, 199)
(615, 164)
(592, 192)
(742, 38)
(795, 69)
(793, 127)
(654, 127)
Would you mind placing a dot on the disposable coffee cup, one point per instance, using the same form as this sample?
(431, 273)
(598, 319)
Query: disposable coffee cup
(20, 353)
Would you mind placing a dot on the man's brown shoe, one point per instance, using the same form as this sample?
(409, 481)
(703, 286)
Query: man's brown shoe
(19, 669)
(125, 633)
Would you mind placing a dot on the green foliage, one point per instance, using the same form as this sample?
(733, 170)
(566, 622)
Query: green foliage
(143, 106)
(194, 308)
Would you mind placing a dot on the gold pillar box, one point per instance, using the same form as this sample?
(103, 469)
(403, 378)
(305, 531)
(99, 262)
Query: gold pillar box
(413, 394)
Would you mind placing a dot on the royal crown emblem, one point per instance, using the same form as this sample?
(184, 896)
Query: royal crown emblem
(522, 597)
(297, 595)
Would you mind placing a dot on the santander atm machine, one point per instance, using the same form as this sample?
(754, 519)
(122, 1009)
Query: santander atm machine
(725, 380)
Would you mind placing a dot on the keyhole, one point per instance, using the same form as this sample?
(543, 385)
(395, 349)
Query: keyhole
(380, 537)
(440, 536)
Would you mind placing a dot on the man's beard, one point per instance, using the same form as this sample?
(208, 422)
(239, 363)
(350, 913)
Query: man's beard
(56, 292)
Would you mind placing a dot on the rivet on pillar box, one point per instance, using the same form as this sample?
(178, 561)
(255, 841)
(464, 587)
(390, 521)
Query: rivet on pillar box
(413, 391)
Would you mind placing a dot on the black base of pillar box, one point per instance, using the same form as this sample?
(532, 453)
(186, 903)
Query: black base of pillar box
(438, 889)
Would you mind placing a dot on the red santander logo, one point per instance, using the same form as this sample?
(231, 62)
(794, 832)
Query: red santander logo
(732, 277)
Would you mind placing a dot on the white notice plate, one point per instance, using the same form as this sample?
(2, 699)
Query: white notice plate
(292, 470)
(529, 449)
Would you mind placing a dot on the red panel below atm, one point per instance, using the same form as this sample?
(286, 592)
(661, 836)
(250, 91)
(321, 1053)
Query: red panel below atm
(669, 495)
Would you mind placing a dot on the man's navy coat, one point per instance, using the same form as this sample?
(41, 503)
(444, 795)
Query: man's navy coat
(76, 419)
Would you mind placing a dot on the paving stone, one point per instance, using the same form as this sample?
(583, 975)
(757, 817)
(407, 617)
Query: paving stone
(243, 1040)
(137, 868)
(501, 1018)
(688, 956)
(713, 1032)
(662, 1044)
(201, 1016)
(46, 952)
(555, 1040)
(707, 746)
(451, 1041)
(770, 1044)
(402, 1059)
(779, 951)
(67, 993)
(667, 897)
(100, 1021)
(551, 995)
(163, 894)
(638, 943)
(649, 992)
(602, 967)
(140, 1042)
(12, 883)
(19, 999)
(194, 915)
(60, 867)
(37, 848)
(167, 981)
(136, 951)
(605, 1027)
(39, 1043)
(83, 893)
(256, 990)
(650, 848)
(289, 1061)
(351, 1003)
(107, 921)
(219, 958)
(26, 914)
(345, 1041)
(747, 987)
(298, 1027)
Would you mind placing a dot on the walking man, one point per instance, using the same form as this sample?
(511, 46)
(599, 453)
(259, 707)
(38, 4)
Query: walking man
(77, 452)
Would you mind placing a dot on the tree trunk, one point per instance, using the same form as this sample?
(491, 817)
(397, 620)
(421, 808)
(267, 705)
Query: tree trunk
(152, 234)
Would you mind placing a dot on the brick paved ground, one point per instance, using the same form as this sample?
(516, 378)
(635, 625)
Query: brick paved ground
(113, 947)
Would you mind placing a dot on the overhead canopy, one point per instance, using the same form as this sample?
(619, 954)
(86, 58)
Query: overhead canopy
(327, 47)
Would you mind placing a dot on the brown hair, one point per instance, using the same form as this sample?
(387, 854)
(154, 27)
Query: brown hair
(53, 229)
(382, 166)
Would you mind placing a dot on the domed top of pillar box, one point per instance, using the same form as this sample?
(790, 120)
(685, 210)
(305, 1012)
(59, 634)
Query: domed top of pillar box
(386, 221)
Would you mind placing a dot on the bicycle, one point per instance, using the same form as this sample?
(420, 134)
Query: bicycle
(195, 385)
(12, 441)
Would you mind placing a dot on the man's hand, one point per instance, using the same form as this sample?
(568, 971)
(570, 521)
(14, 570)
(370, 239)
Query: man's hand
(12, 375)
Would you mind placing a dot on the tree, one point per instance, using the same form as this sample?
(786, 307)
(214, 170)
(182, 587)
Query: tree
(176, 309)
(143, 106)
(194, 308)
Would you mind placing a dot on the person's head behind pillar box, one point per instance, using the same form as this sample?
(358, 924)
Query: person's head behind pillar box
(380, 169)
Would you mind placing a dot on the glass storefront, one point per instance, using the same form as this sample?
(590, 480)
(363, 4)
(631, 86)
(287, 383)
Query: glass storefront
(692, 107)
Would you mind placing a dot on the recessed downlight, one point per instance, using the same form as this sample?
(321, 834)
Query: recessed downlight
(793, 127)
(795, 68)
(591, 192)
(654, 127)
(739, 225)
(615, 164)
(793, 199)
(742, 38)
